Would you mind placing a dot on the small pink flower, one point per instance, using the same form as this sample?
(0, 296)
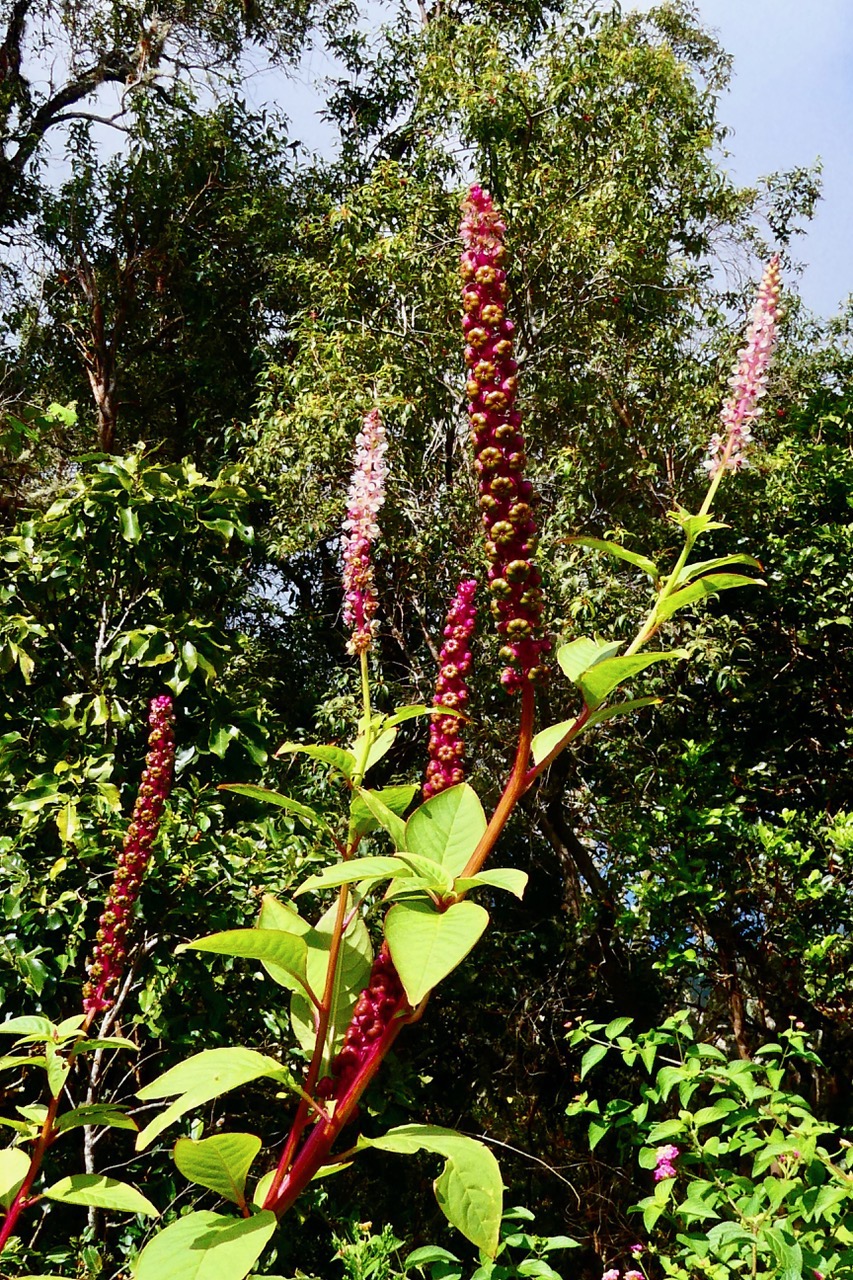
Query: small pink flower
(749, 381)
(634, 1275)
(612, 1274)
(664, 1167)
(636, 1249)
(111, 943)
(445, 736)
(366, 495)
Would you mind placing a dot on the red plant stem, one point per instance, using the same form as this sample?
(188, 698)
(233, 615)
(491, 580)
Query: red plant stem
(317, 1147)
(303, 1111)
(515, 788)
(45, 1138)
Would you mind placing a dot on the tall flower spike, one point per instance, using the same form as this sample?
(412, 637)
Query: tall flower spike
(374, 1011)
(727, 449)
(446, 747)
(365, 497)
(506, 497)
(111, 942)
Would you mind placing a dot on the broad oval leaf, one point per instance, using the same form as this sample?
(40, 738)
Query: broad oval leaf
(703, 587)
(286, 952)
(353, 871)
(308, 815)
(14, 1167)
(30, 1025)
(447, 827)
(98, 1192)
(202, 1077)
(579, 655)
(205, 1246)
(469, 1190)
(426, 945)
(338, 757)
(604, 677)
(370, 810)
(221, 1163)
(98, 1113)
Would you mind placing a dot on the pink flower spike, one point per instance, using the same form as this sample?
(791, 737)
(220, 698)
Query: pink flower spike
(366, 495)
(664, 1167)
(727, 450)
(612, 1274)
(446, 748)
(107, 963)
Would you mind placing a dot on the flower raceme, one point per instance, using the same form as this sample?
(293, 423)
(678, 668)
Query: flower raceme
(446, 747)
(111, 943)
(373, 1013)
(506, 497)
(664, 1166)
(366, 496)
(727, 449)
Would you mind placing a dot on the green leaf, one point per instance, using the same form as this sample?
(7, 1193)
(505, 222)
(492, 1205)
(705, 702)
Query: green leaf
(379, 748)
(702, 587)
(546, 740)
(691, 571)
(427, 874)
(98, 1192)
(593, 1055)
(206, 1246)
(29, 1026)
(338, 757)
(351, 978)
(426, 945)
(693, 526)
(447, 827)
(286, 952)
(621, 553)
(97, 1113)
(372, 809)
(14, 1167)
(303, 811)
(205, 1076)
(616, 1027)
(353, 871)
(129, 522)
(410, 713)
(220, 1163)
(579, 655)
(469, 1190)
(603, 678)
(509, 878)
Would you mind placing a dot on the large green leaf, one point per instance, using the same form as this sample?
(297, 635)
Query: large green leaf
(100, 1113)
(98, 1192)
(308, 815)
(605, 676)
(691, 571)
(509, 878)
(447, 827)
(379, 748)
(370, 810)
(703, 587)
(470, 1189)
(205, 1246)
(621, 553)
(545, 741)
(579, 655)
(338, 757)
(287, 952)
(353, 971)
(353, 871)
(205, 1076)
(220, 1163)
(28, 1026)
(285, 918)
(14, 1167)
(426, 945)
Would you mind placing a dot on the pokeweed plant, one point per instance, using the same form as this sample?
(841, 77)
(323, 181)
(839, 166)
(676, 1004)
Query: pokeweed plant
(744, 1179)
(348, 1006)
(58, 1048)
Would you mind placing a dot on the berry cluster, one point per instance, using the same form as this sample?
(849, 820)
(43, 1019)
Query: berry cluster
(371, 1018)
(111, 942)
(446, 747)
(506, 497)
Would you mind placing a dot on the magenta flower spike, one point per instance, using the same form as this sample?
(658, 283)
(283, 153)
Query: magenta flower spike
(506, 497)
(107, 963)
(366, 496)
(664, 1166)
(446, 747)
(373, 1014)
(727, 449)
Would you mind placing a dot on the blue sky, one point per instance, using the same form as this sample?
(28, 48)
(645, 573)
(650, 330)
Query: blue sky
(790, 103)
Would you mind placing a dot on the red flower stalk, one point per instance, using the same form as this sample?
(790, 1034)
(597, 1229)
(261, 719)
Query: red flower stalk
(446, 747)
(506, 497)
(111, 941)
